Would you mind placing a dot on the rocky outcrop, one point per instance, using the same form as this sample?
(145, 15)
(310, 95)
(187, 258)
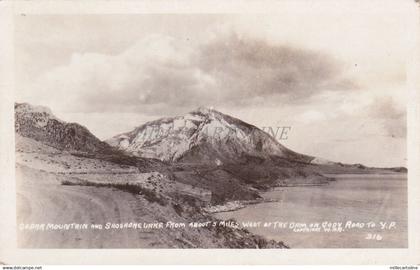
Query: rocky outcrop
(40, 124)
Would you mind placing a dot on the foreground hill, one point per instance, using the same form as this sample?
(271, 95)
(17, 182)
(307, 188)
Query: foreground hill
(40, 124)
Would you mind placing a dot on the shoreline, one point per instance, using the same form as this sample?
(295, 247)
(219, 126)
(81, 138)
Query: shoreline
(234, 205)
(231, 206)
(367, 175)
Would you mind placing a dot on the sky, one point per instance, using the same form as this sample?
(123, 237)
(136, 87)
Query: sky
(337, 78)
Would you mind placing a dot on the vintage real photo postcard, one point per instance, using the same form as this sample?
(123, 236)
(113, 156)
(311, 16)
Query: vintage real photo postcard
(275, 125)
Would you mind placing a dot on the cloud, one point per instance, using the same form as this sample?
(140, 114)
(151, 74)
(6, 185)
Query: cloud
(385, 108)
(252, 68)
(169, 74)
(390, 115)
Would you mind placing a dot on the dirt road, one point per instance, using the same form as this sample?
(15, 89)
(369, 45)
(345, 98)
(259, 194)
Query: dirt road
(42, 200)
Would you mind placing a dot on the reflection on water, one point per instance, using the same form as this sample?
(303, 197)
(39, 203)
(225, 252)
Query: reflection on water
(356, 198)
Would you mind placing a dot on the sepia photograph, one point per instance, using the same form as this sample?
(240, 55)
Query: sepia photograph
(212, 130)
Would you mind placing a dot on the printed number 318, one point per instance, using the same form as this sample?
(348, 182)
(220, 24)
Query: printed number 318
(373, 236)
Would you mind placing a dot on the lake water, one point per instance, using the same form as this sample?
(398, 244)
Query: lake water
(351, 198)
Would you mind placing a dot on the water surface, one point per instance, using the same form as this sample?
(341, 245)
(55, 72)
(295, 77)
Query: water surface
(355, 198)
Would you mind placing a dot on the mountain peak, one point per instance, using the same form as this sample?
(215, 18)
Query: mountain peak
(205, 110)
(204, 135)
(28, 108)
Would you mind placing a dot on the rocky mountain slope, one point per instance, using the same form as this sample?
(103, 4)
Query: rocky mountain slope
(217, 152)
(38, 123)
(212, 138)
(202, 135)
